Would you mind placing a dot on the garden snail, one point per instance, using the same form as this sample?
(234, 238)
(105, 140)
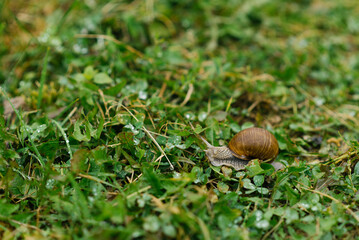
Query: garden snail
(248, 144)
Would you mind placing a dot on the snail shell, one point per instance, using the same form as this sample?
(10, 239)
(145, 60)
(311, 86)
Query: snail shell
(251, 143)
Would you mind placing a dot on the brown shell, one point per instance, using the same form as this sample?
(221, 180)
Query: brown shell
(254, 143)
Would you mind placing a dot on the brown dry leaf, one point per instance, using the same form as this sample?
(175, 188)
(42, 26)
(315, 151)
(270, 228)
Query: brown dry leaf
(16, 101)
(78, 163)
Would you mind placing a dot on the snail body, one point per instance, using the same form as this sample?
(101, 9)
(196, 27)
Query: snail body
(248, 144)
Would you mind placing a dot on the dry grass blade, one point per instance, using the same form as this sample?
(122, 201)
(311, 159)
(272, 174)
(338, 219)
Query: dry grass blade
(188, 95)
(138, 192)
(323, 184)
(25, 225)
(92, 178)
(342, 157)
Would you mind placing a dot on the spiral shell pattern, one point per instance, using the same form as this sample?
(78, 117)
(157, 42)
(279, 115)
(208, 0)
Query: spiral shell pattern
(254, 143)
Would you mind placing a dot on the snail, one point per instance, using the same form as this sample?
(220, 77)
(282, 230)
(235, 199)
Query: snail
(248, 144)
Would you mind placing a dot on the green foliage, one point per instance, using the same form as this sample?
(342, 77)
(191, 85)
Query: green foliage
(108, 89)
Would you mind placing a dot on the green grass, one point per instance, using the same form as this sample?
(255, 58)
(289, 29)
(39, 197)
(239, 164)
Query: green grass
(108, 89)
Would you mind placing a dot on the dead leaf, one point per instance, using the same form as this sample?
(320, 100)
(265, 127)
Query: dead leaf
(17, 102)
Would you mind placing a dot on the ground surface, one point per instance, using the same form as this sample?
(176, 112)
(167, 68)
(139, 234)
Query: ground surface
(104, 92)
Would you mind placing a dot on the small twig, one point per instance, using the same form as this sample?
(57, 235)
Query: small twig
(38, 216)
(101, 111)
(153, 139)
(150, 117)
(163, 89)
(159, 160)
(325, 184)
(96, 179)
(138, 177)
(26, 225)
(28, 195)
(253, 105)
(138, 192)
(340, 158)
(188, 95)
(114, 145)
(130, 180)
(104, 103)
(164, 84)
(69, 116)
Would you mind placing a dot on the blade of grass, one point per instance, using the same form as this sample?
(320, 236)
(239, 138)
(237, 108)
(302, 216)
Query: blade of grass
(65, 137)
(2, 5)
(43, 77)
(11, 80)
(65, 110)
(22, 25)
(66, 14)
(41, 161)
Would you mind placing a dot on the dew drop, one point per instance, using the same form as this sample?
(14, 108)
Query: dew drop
(142, 95)
(136, 141)
(262, 224)
(259, 215)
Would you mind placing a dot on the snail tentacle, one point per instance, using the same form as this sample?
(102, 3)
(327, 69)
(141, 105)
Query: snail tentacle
(205, 142)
